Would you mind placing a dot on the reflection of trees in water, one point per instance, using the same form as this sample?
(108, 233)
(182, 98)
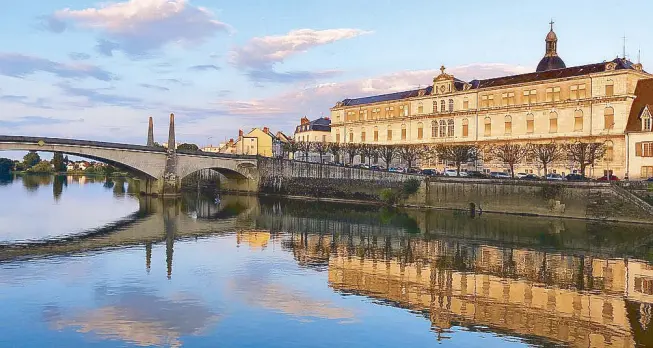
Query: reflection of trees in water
(58, 185)
(6, 179)
(32, 182)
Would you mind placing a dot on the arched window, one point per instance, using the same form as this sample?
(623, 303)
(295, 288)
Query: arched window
(578, 120)
(337, 135)
(530, 123)
(442, 106)
(553, 122)
(362, 135)
(443, 128)
(434, 129)
(420, 131)
(646, 120)
(465, 127)
(389, 133)
(609, 88)
(488, 126)
(450, 128)
(608, 118)
(450, 105)
(420, 108)
(609, 151)
(403, 132)
(351, 135)
(376, 133)
(507, 125)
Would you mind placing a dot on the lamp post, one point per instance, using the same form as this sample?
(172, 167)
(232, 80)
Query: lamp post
(207, 141)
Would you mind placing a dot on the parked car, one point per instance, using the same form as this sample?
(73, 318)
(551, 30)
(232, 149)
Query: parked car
(377, 167)
(397, 170)
(477, 175)
(649, 179)
(453, 172)
(575, 177)
(605, 178)
(530, 177)
(500, 175)
(413, 170)
(520, 175)
(429, 172)
(554, 177)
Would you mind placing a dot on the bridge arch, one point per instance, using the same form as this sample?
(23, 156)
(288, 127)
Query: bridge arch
(232, 168)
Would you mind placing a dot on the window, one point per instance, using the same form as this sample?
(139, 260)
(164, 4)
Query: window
(420, 131)
(389, 133)
(450, 105)
(609, 151)
(577, 92)
(508, 125)
(465, 127)
(647, 172)
(648, 149)
(646, 120)
(405, 110)
(403, 132)
(324, 138)
(533, 96)
(549, 94)
(484, 102)
(530, 123)
(553, 122)
(582, 92)
(578, 120)
(508, 99)
(609, 88)
(488, 127)
(376, 133)
(362, 135)
(420, 108)
(351, 135)
(608, 118)
(435, 106)
(434, 129)
(442, 106)
(490, 101)
(465, 104)
(556, 93)
(443, 128)
(337, 137)
(450, 128)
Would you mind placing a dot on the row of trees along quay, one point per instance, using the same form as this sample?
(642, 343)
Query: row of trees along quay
(582, 154)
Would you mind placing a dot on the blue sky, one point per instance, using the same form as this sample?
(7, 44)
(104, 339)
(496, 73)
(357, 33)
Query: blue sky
(97, 70)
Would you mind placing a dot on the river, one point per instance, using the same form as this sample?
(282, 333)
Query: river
(83, 262)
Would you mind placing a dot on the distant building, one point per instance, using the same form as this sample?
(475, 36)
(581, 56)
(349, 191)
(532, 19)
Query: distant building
(313, 131)
(257, 142)
(212, 148)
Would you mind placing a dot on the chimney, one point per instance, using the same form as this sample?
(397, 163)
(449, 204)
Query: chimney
(266, 130)
(327, 118)
(240, 132)
(231, 141)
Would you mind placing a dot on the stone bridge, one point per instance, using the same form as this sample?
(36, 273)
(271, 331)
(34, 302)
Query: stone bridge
(161, 169)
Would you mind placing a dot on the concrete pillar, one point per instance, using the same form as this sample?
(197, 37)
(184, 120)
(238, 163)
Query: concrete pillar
(171, 134)
(170, 184)
(150, 133)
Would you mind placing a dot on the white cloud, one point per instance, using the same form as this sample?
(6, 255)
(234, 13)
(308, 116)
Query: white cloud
(260, 54)
(141, 27)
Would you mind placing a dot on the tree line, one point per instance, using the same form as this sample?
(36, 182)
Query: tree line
(32, 163)
(582, 154)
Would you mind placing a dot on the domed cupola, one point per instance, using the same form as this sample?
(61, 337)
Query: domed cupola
(551, 61)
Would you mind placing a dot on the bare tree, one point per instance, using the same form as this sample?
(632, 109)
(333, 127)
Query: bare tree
(458, 154)
(321, 148)
(368, 151)
(387, 153)
(305, 147)
(351, 150)
(510, 154)
(288, 148)
(410, 154)
(546, 154)
(336, 150)
(584, 154)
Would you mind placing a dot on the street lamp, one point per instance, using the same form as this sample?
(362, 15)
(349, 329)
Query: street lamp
(207, 141)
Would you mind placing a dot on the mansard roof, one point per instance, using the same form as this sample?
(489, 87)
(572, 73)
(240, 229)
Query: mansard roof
(321, 124)
(386, 97)
(643, 98)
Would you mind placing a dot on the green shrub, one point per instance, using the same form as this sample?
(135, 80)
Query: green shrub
(388, 196)
(410, 186)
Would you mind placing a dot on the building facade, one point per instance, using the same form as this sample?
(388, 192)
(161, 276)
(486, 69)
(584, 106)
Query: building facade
(606, 102)
(313, 131)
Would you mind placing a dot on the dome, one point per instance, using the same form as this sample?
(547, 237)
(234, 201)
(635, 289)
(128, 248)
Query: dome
(550, 63)
(551, 36)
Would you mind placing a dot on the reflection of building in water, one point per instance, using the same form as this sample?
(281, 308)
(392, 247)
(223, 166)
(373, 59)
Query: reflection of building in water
(575, 300)
(255, 239)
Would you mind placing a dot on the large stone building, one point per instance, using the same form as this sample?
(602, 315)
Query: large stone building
(608, 102)
(318, 130)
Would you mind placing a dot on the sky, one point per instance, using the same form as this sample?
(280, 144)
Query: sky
(97, 70)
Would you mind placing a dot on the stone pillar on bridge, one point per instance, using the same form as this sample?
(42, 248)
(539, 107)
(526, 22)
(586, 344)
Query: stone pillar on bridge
(170, 181)
(150, 133)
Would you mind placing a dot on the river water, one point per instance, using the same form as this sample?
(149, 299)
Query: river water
(85, 263)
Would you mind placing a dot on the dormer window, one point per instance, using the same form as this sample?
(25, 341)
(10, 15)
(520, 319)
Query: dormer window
(646, 119)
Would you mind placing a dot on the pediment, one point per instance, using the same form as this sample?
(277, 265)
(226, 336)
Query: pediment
(645, 113)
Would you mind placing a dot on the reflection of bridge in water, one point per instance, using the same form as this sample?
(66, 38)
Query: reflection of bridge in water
(156, 221)
(586, 294)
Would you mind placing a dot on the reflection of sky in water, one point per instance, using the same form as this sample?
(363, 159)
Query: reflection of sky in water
(33, 213)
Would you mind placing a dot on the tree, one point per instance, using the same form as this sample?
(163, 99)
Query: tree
(6, 165)
(58, 162)
(321, 148)
(458, 154)
(336, 150)
(290, 147)
(545, 154)
(41, 167)
(31, 159)
(351, 150)
(305, 147)
(510, 154)
(584, 154)
(368, 151)
(387, 153)
(188, 147)
(411, 153)
(158, 145)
